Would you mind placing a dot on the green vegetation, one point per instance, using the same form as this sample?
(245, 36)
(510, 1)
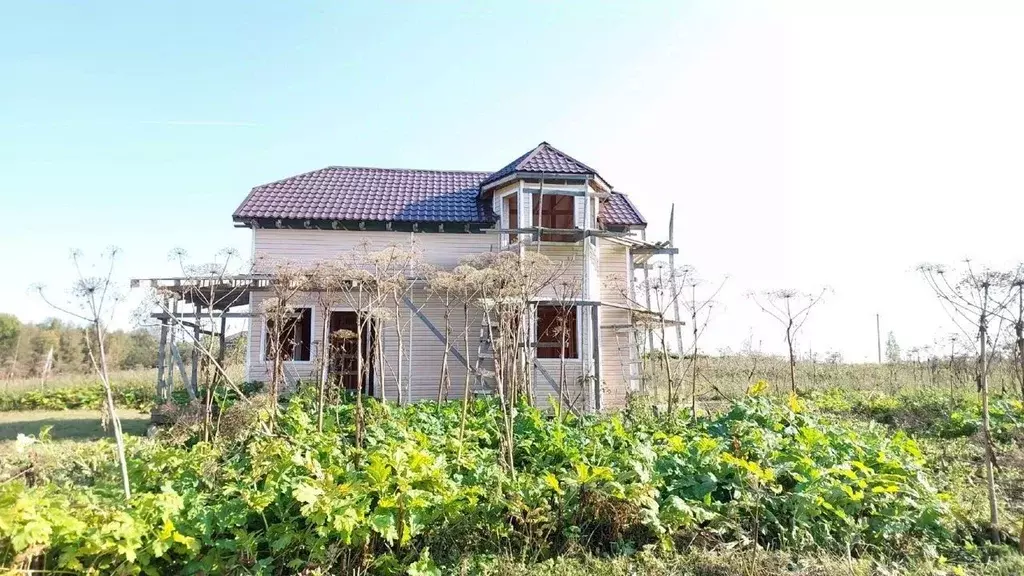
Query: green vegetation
(763, 487)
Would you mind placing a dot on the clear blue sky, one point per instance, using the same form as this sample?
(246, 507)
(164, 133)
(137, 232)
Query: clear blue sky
(799, 140)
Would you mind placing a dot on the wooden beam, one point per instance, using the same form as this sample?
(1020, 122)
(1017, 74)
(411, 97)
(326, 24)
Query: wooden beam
(170, 349)
(176, 354)
(653, 250)
(182, 316)
(161, 360)
(197, 332)
(675, 284)
(221, 338)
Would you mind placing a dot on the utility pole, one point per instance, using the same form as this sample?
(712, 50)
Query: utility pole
(878, 335)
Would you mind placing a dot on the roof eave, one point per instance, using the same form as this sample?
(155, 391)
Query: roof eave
(522, 175)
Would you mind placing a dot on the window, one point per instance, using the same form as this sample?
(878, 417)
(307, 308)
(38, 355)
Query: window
(512, 201)
(295, 338)
(554, 211)
(556, 325)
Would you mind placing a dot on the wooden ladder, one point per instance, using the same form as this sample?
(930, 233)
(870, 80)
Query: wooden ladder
(630, 364)
(483, 366)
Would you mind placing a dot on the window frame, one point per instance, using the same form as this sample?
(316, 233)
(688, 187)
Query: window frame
(561, 211)
(265, 350)
(574, 342)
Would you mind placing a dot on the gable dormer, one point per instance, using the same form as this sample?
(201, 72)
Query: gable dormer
(546, 188)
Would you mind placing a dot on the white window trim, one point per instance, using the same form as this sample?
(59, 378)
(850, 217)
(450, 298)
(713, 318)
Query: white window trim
(312, 330)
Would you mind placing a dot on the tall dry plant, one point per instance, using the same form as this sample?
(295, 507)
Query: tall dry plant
(509, 283)
(287, 282)
(209, 289)
(665, 289)
(791, 308)
(327, 279)
(94, 299)
(567, 291)
(974, 299)
(700, 309)
(445, 286)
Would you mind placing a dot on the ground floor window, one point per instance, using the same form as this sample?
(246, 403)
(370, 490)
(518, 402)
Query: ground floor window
(557, 331)
(294, 338)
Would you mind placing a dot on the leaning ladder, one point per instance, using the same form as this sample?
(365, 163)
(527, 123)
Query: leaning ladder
(629, 361)
(483, 366)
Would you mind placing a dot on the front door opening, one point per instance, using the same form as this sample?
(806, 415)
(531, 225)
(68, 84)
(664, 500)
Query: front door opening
(344, 348)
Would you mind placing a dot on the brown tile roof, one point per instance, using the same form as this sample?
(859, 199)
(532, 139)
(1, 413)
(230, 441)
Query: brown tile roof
(374, 194)
(544, 159)
(347, 193)
(618, 210)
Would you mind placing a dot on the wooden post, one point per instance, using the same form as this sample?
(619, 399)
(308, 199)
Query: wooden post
(675, 288)
(647, 293)
(878, 335)
(170, 347)
(196, 340)
(222, 337)
(162, 392)
(596, 343)
(176, 355)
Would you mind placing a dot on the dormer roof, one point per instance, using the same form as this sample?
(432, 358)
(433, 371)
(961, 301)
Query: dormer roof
(542, 160)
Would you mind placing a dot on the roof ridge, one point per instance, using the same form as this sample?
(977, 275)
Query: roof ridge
(573, 158)
(533, 153)
(338, 166)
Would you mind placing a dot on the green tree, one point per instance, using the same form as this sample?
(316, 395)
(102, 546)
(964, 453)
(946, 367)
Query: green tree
(10, 330)
(140, 350)
(892, 349)
(69, 351)
(40, 346)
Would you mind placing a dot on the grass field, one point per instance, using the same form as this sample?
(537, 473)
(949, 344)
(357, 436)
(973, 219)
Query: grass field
(69, 424)
(729, 377)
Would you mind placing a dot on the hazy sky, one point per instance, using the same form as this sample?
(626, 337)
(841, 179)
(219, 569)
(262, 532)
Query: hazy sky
(803, 143)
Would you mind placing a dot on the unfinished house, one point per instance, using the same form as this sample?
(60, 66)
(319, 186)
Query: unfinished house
(544, 200)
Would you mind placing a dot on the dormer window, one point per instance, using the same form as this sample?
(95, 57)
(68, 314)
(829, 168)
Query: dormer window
(554, 211)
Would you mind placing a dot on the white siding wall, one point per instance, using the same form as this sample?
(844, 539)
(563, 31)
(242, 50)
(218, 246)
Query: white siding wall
(443, 250)
(615, 352)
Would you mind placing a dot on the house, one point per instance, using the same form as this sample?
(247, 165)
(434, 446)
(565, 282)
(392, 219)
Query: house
(544, 200)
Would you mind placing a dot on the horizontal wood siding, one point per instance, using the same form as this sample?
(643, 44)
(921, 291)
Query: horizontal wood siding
(304, 247)
(615, 348)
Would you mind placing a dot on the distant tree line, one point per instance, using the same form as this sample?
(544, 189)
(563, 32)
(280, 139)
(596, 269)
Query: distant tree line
(24, 348)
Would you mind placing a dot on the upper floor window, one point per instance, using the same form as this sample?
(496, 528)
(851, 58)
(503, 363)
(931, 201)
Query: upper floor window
(554, 211)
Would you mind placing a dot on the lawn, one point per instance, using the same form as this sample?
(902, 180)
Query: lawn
(69, 424)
